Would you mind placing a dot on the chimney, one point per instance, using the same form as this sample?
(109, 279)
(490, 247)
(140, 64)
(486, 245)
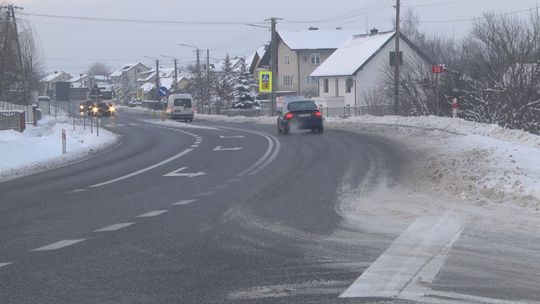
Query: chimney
(338, 28)
(374, 31)
(312, 28)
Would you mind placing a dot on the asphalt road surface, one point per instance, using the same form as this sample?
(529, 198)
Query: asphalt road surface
(214, 213)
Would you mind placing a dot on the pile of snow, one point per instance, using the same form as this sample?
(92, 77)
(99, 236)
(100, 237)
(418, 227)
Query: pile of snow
(40, 147)
(474, 162)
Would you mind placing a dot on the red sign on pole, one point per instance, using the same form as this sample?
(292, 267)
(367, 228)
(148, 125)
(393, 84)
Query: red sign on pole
(437, 69)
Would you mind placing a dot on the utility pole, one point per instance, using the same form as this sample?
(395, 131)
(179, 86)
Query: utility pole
(274, 63)
(199, 101)
(10, 14)
(157, 79)
(396, 60)
(175, 78)
(208, 78)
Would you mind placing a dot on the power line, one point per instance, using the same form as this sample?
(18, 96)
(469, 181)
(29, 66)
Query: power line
(363, 11)
(142, 21)
(478, 18)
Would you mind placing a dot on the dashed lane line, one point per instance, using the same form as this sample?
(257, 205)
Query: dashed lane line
(58, 245)
(219, 187)
(77, 190)
(184, 202)
(143, 170)
(5, 264)
(208, 193)
(114, 227)
(153, 213)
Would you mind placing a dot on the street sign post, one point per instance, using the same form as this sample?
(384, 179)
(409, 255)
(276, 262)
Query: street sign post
(265, 82)
(437, 69)
(163, 91)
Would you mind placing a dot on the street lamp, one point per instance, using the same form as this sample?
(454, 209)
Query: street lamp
(175, 78)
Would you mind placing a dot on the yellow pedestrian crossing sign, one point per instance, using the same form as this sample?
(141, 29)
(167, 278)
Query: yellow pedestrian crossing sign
(265, 82)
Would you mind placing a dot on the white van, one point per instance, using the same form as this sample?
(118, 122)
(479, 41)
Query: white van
(179, 106)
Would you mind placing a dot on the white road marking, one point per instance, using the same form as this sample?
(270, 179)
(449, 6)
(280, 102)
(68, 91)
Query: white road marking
(184, 202)
(233, 136)
(77, 190)
(5, 264)
(208, 193)
(121, 125)
(58, 245)
(143, 170)
(234, 180)
(397, 271)
(220, 148)
(108, 126)
(133, 124)
(153, 213)
(176, 173)
(221, 187)
(268, 156)
(114, 227)
(194, 146)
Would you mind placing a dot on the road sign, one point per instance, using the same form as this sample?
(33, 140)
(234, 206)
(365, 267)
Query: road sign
(163, 91)
(437, 69)
(95, 92)
(265, 82)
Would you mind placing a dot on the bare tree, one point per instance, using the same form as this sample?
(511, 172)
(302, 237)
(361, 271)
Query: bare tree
(99, 68)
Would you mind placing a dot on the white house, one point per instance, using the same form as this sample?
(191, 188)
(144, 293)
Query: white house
(47, 83)
(299, 53)
(359, 67)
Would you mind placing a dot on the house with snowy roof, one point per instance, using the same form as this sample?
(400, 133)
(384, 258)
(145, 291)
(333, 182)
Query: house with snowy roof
(47, 84)
(126, 78)
(360, 66)
(300, 53)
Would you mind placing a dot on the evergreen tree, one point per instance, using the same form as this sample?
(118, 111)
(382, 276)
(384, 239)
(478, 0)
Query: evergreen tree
(244, 96)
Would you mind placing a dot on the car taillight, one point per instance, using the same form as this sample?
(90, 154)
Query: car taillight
(289, 116)
(318, 114)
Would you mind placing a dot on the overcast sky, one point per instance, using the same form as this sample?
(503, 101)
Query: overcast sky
(73, 45)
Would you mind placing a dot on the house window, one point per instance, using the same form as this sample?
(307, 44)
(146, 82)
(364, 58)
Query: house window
(316, 59)
(309, 80)
(287, 60)
(393, 58)
(348, 85)
(325, 85)
(288, 80)
(337, 87)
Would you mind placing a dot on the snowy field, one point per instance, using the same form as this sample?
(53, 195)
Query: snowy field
(40, 147)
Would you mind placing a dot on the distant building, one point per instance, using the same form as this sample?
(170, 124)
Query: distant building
(124, 79)
(47, 84)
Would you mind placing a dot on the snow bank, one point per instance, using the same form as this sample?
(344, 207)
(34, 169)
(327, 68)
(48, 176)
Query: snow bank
(474, 162)
(40, 147)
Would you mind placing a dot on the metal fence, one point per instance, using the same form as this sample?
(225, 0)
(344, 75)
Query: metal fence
(28, 110)
(357, 111)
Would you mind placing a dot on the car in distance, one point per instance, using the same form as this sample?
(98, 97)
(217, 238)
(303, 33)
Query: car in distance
(300, 115)
(179, 106)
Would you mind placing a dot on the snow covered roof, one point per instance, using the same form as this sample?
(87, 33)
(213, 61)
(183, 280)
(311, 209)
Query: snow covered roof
(166, 82)
(80, 77)
(124, 68)
(147, 87)
(53, 76)
(352, 55)
(316, 39)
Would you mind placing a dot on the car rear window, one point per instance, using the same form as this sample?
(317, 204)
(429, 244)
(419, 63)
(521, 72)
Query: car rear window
(302, 105)
(183, 102)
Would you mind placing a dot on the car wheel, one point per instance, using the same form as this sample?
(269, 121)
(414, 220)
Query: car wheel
(285, 131)
(321, 129)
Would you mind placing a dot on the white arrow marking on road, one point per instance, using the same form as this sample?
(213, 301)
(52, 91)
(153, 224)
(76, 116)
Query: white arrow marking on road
(5, 264)
(233, 136)
(114, 227)
(153, 213)
(58, 245)
(176, 173)
(220, 148)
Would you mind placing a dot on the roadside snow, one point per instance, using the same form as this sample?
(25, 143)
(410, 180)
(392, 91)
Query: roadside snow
(40, 147)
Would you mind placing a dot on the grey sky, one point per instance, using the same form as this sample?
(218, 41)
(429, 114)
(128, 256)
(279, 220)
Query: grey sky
(72, 45)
